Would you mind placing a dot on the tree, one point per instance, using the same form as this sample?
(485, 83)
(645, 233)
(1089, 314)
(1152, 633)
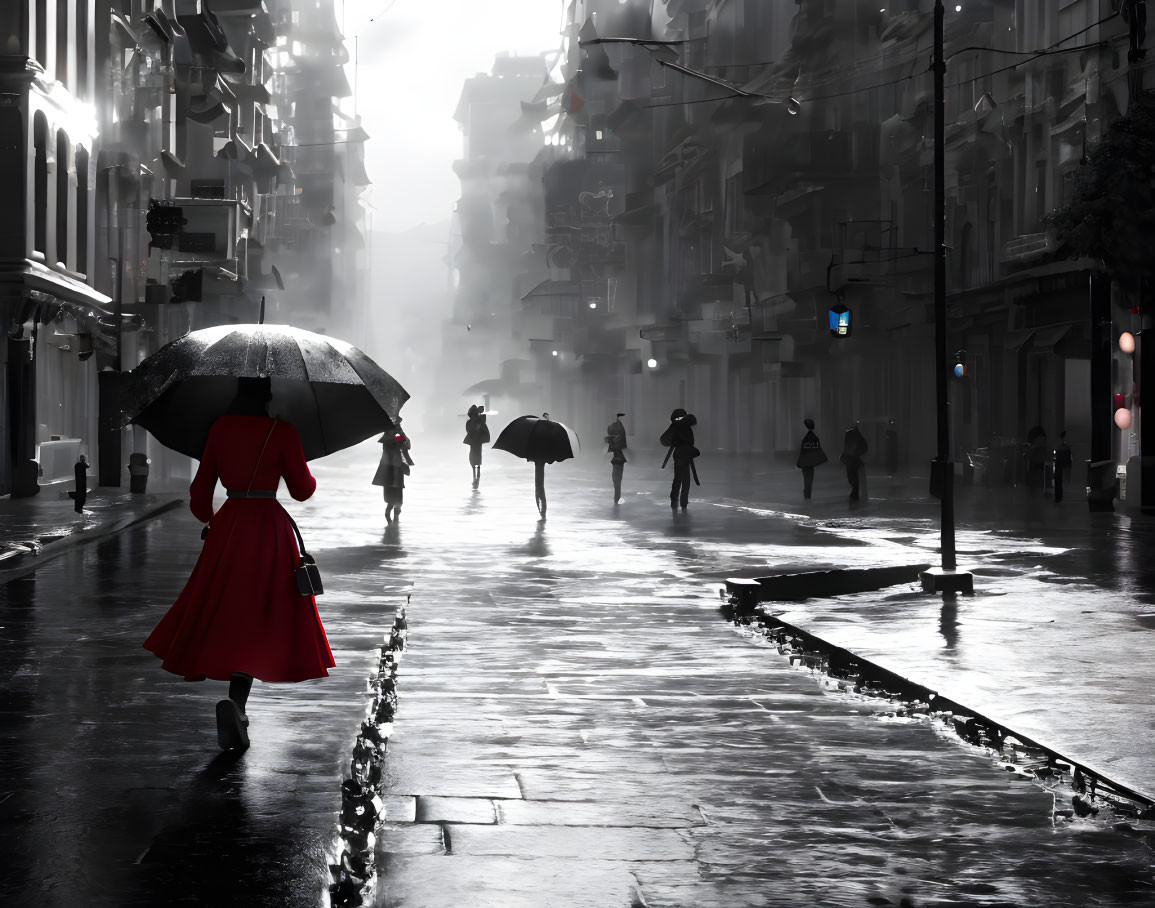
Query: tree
(1111, 217)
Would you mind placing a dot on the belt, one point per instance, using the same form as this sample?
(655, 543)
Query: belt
(251, 493)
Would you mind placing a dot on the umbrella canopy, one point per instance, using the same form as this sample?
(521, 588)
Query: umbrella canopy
(535, 438)
(332, 393)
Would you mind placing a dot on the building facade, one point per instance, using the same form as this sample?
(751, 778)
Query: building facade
(761, 163)
(158, 144)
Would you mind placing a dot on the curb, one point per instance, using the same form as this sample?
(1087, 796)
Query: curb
(362, 807)
(747, 593)
(39, 554)
(1015, 752)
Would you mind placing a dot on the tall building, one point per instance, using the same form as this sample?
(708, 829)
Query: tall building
(179, 167)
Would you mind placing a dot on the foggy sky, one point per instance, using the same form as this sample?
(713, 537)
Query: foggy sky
(411, 62)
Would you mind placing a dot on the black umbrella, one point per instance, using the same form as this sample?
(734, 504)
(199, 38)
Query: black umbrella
(535, 438)
(332, 393)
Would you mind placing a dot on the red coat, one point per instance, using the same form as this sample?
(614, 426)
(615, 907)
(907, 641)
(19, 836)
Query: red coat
(240, 610)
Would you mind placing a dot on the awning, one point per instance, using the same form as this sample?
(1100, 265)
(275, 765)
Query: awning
(32, 290)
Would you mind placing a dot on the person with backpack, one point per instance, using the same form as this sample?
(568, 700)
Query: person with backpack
(679, 439)
(810, 456)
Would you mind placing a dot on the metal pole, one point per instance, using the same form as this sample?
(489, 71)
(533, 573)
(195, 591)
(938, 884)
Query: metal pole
(945, 466)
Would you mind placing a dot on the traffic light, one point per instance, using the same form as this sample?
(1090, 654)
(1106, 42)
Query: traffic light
(960, 364)
(163, 221)
(839, 320)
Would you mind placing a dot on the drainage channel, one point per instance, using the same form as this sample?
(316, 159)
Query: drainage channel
(354, 871)
(1016, 752)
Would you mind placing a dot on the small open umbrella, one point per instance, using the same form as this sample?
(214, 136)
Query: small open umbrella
(538, 439)
(333, 394)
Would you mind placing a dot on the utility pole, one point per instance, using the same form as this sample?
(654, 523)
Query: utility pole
(945, 579)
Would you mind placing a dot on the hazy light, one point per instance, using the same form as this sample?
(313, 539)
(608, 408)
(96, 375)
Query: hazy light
(652, 363)
(1127, 342)
(593, 305)
(554, 352)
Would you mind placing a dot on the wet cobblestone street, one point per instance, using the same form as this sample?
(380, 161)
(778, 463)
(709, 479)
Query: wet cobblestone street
(578, 726)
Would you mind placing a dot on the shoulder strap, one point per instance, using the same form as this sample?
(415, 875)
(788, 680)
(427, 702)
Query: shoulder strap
(296, 529)
(262, 454)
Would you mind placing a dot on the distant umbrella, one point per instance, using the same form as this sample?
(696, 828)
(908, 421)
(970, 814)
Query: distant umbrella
(535, 438)
(333, 394)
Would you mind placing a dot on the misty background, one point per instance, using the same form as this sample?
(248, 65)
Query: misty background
(408, 62)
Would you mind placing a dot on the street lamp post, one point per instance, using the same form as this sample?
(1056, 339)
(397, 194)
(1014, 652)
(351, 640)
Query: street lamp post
(946, 578)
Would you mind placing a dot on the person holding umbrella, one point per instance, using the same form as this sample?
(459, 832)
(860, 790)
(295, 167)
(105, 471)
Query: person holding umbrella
(476, 435)
(542, 441)
(240, 616)
(212, 394)
(392, 470)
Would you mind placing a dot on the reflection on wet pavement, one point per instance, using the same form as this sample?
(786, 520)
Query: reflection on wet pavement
(578, 725)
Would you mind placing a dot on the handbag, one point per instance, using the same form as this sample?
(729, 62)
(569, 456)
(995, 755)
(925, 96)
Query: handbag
(307, 573)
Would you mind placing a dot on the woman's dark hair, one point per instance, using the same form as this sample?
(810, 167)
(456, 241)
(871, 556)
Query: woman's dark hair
(253, 396)
(473, 410)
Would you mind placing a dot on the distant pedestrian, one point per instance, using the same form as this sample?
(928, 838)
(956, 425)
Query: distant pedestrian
(241, 615)
(854, 448)
(539, 481)
(679, 439)
(810, 455)
(476, 435)
(392, 470)
(1062, 465)
(891, 439)
(616, 446)
(80, 477)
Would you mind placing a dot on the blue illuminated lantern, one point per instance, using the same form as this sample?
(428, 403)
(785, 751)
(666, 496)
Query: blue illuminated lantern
(839, 320)
(960, 365)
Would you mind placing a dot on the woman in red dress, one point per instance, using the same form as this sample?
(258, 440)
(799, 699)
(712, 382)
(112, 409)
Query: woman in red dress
(240, 615)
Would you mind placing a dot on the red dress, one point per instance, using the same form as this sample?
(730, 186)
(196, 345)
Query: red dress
(240, 610)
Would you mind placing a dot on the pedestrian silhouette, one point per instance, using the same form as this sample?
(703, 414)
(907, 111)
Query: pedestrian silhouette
(80, 478)
(392, 470)
(854, 447)
(476, 435)
(679, 439)
(541, 441)
(241, 616)
(616, 446)
(539, 480)
(810, 455)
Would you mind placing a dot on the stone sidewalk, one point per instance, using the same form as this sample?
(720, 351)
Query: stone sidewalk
(37, 529)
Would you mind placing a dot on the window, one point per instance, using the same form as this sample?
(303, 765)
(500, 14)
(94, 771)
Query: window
(42, 32)
(60, 69)
(63, 156)
(40, 181)
(81, 49)
(81, 264)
